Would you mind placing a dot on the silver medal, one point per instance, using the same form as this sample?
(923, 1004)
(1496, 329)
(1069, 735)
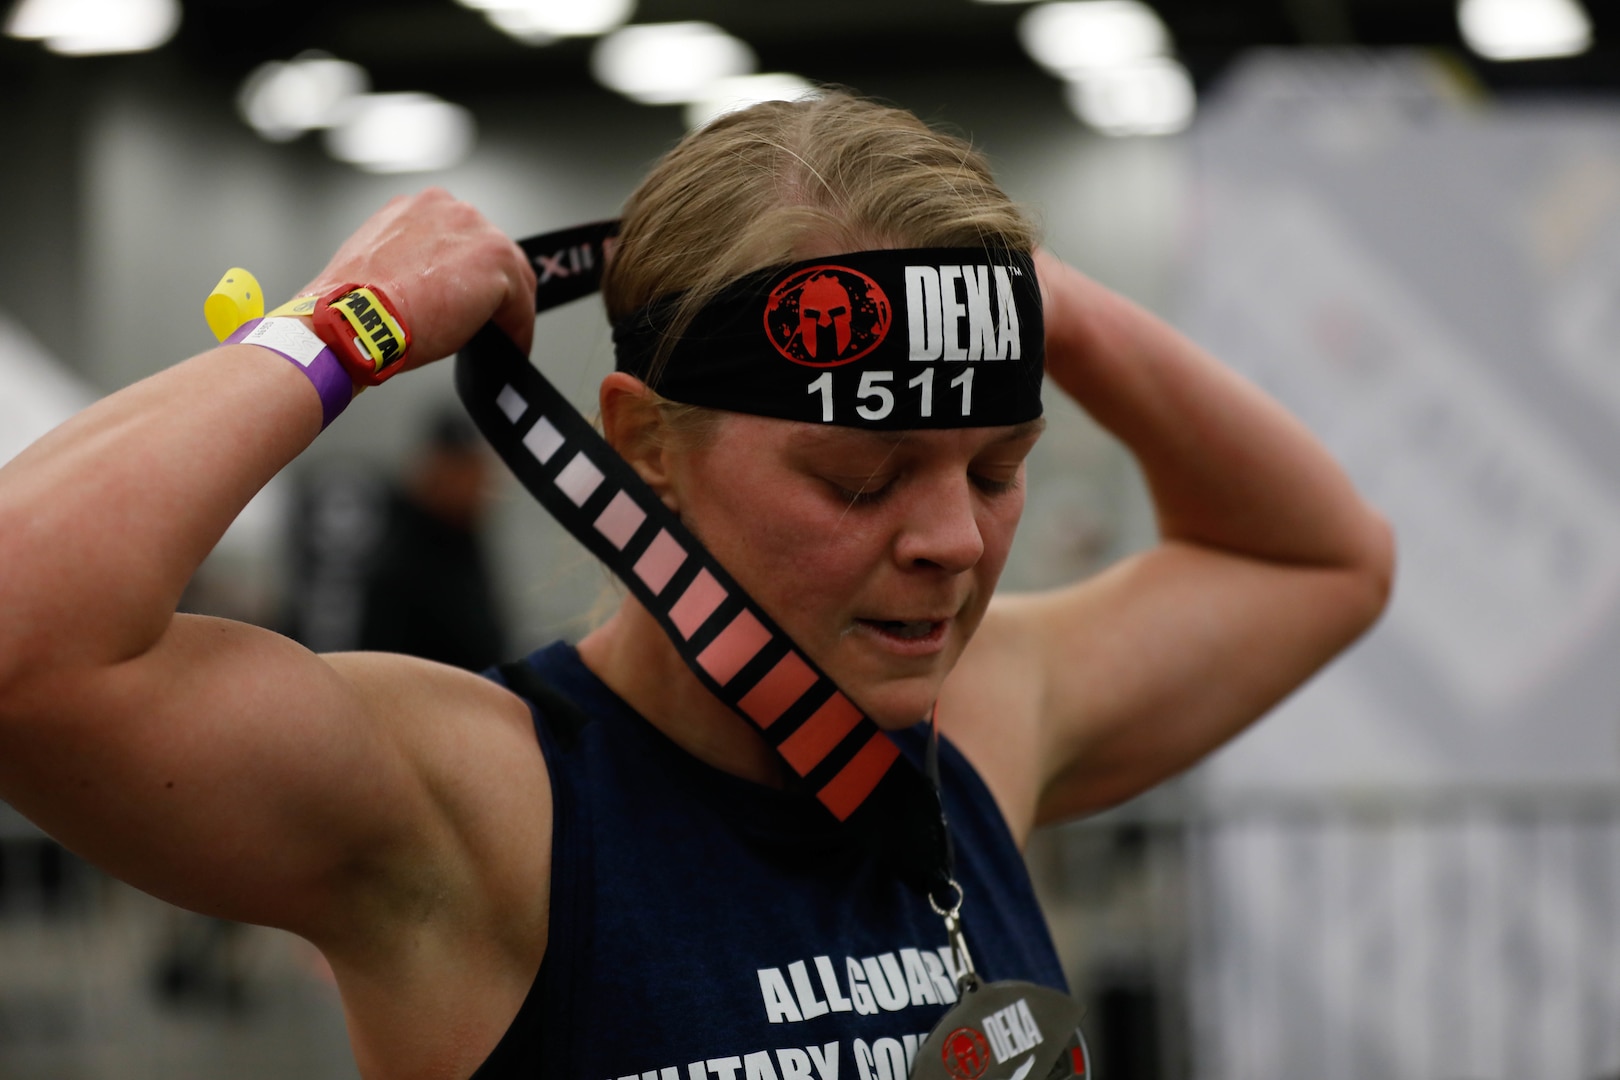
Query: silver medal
(1001, 1030)
(1006, 1031)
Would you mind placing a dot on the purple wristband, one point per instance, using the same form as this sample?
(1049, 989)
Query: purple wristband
(298, 343)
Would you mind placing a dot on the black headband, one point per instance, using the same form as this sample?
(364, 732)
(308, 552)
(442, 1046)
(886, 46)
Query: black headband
(890, 339)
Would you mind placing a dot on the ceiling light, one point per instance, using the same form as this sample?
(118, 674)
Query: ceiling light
(390, 133)
(283, 100)
(88, 27)
(663, 63)
(1083, 35)
(1148, 97)
(536, 22)
(1524, 29)
(521, 24)
(740, 91)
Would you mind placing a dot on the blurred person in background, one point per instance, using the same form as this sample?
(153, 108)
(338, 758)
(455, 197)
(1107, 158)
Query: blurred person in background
(627, 879)
(399, 565)
(428, 590)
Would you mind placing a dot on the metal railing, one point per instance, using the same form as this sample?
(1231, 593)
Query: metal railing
(1457, 935)
(1469, 935)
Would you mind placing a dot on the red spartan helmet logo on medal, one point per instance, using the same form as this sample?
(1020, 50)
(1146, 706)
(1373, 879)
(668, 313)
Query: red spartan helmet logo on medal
(826, 316)
(966, 1055)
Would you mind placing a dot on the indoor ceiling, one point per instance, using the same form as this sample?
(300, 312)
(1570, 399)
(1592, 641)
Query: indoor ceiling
(448, 48)
(440, 46)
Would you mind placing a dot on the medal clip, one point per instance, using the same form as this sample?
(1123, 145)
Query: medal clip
(968, 980)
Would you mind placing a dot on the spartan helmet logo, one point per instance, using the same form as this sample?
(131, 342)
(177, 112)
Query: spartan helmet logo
(823, 306)
(965, 1054)
(826, 316)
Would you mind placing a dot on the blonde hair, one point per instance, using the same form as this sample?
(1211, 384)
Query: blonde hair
(757, 187)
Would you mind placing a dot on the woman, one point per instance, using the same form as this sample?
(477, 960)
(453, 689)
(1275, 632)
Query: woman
(405, 818)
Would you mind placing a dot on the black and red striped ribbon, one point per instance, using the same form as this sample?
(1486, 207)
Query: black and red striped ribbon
(730, 643)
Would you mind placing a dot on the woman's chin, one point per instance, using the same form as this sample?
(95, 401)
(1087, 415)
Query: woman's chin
(894, 708)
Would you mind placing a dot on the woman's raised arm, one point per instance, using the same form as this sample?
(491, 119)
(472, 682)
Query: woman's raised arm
(215, 764)
(1269, 563)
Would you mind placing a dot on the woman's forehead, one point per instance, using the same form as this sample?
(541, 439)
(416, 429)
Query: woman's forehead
(800, 435)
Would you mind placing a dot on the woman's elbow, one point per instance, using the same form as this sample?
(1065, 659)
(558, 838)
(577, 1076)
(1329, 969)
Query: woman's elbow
(1372, 569)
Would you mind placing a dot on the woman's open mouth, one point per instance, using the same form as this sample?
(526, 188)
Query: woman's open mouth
(910, 635)
(909, 630)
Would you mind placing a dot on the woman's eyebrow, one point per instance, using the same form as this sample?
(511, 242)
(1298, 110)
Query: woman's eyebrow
(823, 436)
(1029, 429)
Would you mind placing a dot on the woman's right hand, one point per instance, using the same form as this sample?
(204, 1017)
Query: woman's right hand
(445, 267)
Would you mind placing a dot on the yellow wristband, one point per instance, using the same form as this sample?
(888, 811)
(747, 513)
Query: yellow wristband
(236, 299)
(298, 305)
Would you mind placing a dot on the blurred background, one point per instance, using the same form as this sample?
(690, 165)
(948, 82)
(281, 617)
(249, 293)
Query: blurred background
(1402, 217)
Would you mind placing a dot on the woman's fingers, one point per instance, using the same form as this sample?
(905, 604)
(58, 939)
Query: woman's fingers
(445, 267)
(515, 316)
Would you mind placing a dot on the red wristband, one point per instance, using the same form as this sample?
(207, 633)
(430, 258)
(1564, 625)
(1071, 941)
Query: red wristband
(364, 329)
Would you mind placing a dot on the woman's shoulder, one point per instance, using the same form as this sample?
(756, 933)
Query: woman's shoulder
(424, 699)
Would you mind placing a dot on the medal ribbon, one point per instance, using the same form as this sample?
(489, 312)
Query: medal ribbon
(733, 647)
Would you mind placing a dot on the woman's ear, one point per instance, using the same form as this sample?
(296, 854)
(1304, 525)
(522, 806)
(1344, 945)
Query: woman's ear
(633, 425)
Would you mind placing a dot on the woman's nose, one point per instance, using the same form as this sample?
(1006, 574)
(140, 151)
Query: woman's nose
(941, 527)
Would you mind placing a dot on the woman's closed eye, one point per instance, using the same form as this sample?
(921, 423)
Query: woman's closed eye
(855, 492)
(997, 483)
(861, 492)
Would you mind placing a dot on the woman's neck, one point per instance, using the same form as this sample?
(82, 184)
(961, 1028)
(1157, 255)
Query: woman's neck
(631, 654)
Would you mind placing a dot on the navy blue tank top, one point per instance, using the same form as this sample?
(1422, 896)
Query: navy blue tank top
(707, 928)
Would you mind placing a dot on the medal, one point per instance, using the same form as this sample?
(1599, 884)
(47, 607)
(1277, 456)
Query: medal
(1001, 1030)
(1006, 1031)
